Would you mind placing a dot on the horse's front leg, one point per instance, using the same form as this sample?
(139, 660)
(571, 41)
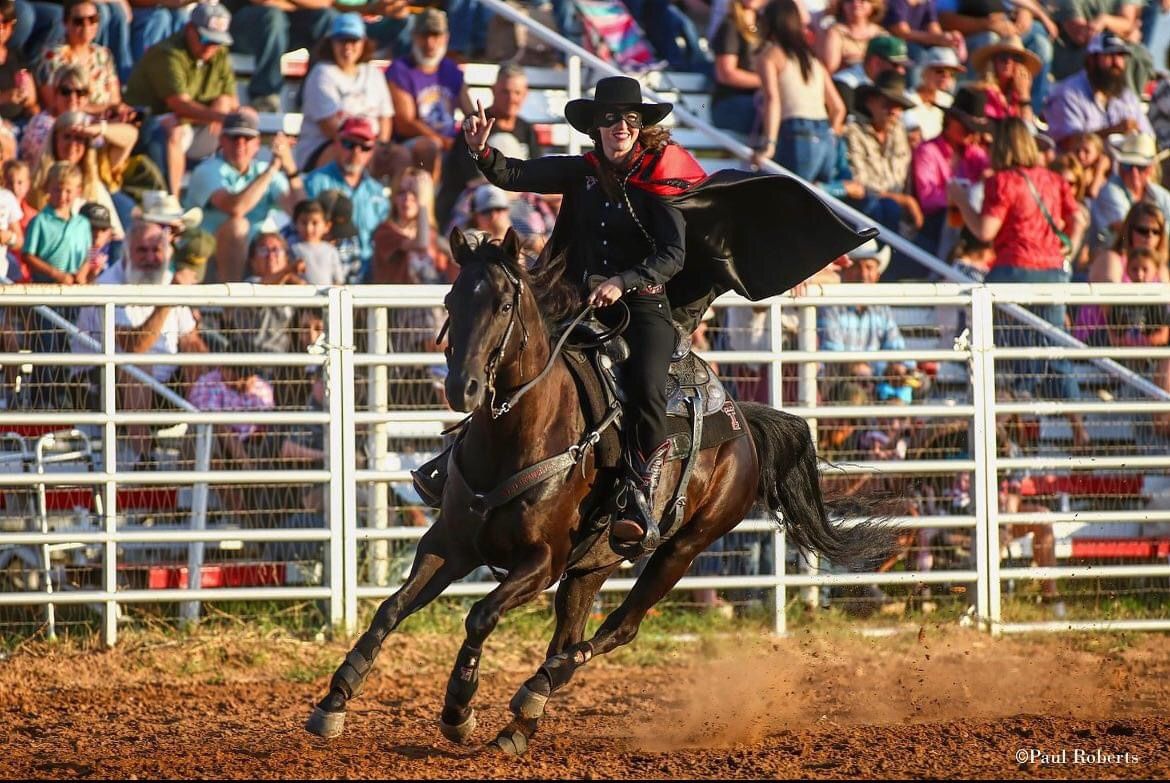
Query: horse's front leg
(434, 569)
(523, 583)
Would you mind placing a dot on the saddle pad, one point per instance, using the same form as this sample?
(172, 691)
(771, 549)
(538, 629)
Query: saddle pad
(723, 425)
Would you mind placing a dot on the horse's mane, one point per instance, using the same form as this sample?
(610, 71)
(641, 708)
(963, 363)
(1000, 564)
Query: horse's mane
(556, 298)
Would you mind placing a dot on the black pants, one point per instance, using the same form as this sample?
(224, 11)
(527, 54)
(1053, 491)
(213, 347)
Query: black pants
(652, 339)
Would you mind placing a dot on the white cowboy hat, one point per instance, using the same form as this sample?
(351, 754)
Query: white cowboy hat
(1135, 149)
(872, 249)
(159, 206)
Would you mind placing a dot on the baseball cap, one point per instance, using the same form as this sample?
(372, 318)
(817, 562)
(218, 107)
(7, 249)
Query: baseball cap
(212, 20)
(242, 122)
(489, 197)
(358, 128)
(1107, 42)
(888, 48)
(339, 209)
(193, 253)
(348, 25)
(97, 215)
(432, 21)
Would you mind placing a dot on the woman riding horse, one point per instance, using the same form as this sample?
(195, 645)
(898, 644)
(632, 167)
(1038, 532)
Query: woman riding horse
(628, 242)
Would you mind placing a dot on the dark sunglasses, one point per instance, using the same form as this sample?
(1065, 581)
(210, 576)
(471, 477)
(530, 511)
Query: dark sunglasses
(1131, 167)
(69, 92)
(612, 118)
(1146, 231)
(350, 144)
(1012, 56)
(82, 21)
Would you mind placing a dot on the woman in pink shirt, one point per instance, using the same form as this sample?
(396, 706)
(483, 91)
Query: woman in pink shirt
(1024, 206)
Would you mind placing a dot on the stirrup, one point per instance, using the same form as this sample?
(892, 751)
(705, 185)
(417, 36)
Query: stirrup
(638, 519)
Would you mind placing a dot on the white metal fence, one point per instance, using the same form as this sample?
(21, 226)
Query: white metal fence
(324, 512)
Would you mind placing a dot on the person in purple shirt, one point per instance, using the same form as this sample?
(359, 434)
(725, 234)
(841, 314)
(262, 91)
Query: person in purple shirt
(916, 23)
(1097, 99)
(426, 88)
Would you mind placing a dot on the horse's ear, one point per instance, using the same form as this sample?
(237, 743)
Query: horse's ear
(511, 245)
(459, 246)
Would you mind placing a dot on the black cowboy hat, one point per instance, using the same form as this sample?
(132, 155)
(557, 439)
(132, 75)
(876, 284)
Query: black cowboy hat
(970, 108)
(891, 85)
(614, 92)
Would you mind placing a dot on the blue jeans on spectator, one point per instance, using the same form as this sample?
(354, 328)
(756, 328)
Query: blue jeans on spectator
(391, 32)
(1156, 33)
(1053, 378)
(267, 33)
(807, 148)
(469, 26)
(38, 26)
(664, 24)
(1037, 42)
(735, 113)
(151, 25)
(567, 22)
(114, 34)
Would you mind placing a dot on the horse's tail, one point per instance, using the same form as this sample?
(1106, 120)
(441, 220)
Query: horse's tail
(790, 483)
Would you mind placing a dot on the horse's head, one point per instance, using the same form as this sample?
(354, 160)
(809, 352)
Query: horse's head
(486, 327)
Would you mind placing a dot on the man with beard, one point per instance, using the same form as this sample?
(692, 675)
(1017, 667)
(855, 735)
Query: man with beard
(347, 174)
(426, 88)
(161, 329)
(1097, 99)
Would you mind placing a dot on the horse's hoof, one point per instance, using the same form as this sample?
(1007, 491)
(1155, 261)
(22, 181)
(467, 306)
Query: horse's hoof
(513, 743)
(325, 724)
(528, 704)
(458, 734)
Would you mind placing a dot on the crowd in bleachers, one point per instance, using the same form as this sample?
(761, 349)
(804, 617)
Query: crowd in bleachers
(1019, 140)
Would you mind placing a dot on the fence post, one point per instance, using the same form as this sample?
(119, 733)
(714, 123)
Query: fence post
(808, 397)
(986, 549)
(190, 610)
(343, 462)
(574, 64)
(110, 488)
(379, 491)
(776, 392)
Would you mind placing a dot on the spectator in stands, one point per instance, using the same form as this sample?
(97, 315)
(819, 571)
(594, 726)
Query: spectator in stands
(1006, 70)
(343, 235)
(957, 152)
(1142, 325)
(154, 21)
(267, 30)
(427, 87)
(984, 22)
(101, 235)
(349, 174)
(238, 192)
(508, 95)
(490, 211)
(843, 48)
(864, 327)
(804, 141)
(1136, 157)
(1098, 98)
(37, 25)
(733, 97)
(58, 238)
(188, 85)
(17, 180)
(322, 263)
(879, 151)
(1079, 22)
(192, 253)
(884, 53)
(154, 329)
(70, 89)
(392, 29)
(343, 83)
(406, 244)
(232, 387)
(1089, 150)
(1030, 215)
(18, 93)
(74, 139)
(1069, 167)
(916, 23)
(105, 90)
(940, 67)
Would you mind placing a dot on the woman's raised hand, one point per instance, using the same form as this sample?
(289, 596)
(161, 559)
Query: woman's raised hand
(476, 129)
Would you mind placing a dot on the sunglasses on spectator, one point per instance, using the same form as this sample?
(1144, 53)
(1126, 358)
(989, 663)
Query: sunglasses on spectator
(1132, 167)
(1146, 231)
(82, 21)
(69, 92)
(612, 118)
(270, 250)
(1010, 57)
(353, 144)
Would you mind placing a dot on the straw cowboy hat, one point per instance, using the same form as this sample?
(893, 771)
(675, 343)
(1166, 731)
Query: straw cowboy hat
(614, 92)
(1012, 45)
(159, 206)
(1135, 149)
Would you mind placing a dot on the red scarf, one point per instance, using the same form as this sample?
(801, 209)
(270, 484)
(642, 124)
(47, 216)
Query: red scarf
(668, 172)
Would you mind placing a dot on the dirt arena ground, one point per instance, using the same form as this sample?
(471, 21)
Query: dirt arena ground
(942, 703)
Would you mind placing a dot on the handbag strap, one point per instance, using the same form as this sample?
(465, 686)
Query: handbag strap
(1043, 209)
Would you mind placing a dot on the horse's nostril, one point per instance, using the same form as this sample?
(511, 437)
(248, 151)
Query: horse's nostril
(472, 388)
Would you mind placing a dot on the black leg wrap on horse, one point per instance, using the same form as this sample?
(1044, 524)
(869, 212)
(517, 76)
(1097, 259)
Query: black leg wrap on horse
(464, 680)
(351, 675)
(560, 668)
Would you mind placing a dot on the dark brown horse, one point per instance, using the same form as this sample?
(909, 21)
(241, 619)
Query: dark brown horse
(499, 342)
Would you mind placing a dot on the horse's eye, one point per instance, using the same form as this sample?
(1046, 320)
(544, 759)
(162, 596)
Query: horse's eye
(507, 308)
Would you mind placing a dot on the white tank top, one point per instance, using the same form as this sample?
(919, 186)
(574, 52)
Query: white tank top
(799, 98)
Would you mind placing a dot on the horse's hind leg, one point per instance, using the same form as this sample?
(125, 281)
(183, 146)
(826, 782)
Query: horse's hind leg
(666, 567)
(433, 570)
(523, 583)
